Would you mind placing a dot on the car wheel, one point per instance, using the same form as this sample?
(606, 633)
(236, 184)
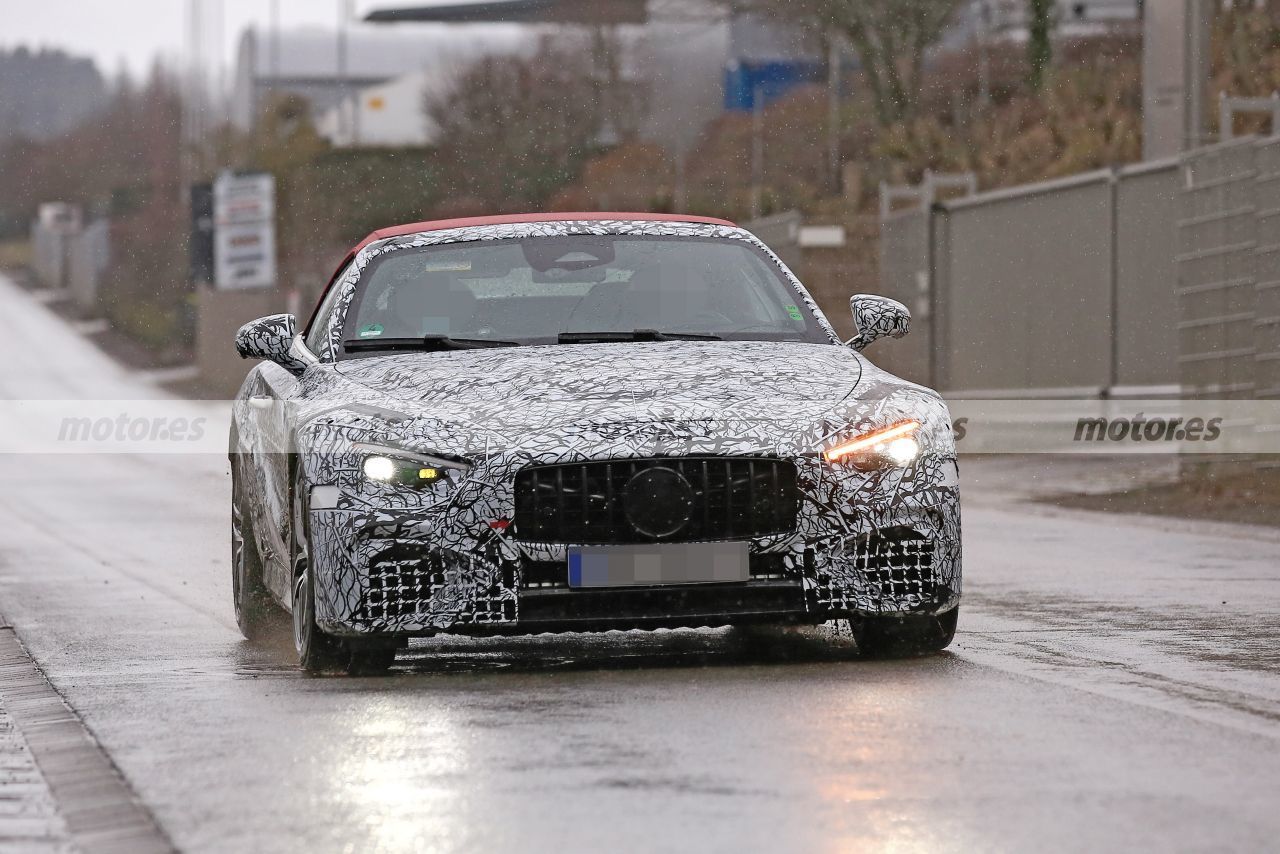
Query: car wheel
(256, 615)
(319, 652)
(901, 636)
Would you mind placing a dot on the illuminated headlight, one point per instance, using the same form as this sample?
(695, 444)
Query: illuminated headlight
(403, 468)
(892, 446)
(902, 451)
(380, 468)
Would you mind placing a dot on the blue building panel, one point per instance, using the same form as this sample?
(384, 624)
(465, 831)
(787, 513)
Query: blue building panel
(770, 80)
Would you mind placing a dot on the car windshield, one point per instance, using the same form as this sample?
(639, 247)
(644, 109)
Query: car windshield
(575, 289)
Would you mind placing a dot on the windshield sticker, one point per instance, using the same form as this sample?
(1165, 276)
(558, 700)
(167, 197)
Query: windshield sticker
(447, 267)
(373, 330)
(794, 311)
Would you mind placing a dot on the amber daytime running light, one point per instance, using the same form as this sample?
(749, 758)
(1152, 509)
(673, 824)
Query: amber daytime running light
(896, 444)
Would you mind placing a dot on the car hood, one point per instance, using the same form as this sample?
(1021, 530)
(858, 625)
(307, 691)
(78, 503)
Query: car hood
(682, 393)
(646, 380)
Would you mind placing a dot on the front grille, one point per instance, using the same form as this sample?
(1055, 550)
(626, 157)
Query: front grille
(402, 588)
(894, 570)
(691, 499)
(901, 569)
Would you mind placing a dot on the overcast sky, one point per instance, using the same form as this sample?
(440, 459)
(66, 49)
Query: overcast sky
(133, 32)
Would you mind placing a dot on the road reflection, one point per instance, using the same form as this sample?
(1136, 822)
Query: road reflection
(630, 650)
(767, 735)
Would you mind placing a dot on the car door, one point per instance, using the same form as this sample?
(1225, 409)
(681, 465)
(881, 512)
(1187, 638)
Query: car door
(270, 404)
(274, 405)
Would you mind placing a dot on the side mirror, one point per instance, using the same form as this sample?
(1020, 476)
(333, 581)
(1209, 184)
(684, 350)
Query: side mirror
(877, 317)
(272, 338)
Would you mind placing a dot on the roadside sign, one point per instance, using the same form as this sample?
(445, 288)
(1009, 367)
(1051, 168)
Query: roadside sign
(245, 256)
(244, 241)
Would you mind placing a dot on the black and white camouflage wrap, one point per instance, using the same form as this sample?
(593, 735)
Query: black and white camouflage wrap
(501, 410)
(877, 317)
(274, 338)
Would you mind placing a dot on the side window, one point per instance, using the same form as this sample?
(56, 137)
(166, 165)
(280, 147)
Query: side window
(316, 337)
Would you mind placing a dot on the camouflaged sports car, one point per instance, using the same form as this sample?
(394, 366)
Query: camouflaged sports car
(583, 422)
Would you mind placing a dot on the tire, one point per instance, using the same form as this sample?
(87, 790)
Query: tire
(256, 614)
(320, 653)
(903, 636)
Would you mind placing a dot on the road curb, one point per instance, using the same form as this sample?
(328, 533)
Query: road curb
(100, 810)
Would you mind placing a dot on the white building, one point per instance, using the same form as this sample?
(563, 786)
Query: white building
(391, 113)
(1007, 19)
(327, 67)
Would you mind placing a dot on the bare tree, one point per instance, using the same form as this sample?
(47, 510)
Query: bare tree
(891, 38)
(512, 131)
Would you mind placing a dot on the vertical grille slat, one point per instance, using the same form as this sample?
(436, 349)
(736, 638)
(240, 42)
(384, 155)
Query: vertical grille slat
(775, 489)
(705, 493)
(732, 498)
(559, 493)
(730, 528)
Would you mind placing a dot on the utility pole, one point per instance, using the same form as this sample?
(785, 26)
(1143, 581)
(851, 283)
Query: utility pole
(984, 54)
(349, 15)
(219, 60)
(189, 97)
(757, 151)
(1175, 75)
(833, 108)
(349, 96)
(184, 120)
(343, 87)
(274, 40)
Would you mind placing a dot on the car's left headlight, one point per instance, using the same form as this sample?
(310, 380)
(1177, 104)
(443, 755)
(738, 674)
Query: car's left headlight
(896, 445)
(398, 467)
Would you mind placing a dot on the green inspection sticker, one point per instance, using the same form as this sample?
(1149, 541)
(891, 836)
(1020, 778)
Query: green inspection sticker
(373, 330)
(794, 311)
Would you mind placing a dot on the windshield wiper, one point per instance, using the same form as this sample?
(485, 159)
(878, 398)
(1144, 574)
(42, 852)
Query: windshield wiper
(426, 342)
(634, 335)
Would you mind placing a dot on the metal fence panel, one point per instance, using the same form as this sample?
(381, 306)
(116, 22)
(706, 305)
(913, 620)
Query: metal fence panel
(1146, 321)
(1267, 269)
(1217, 238)
(904, 276)
(1028, 302)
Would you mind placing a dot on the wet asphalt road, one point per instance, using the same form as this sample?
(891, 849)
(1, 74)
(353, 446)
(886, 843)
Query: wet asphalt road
(1115, 683)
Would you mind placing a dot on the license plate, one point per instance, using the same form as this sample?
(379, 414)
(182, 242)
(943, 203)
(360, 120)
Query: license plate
(645, 565)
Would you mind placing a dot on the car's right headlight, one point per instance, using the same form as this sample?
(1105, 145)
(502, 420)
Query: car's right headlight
(896, 445)
(398, 467)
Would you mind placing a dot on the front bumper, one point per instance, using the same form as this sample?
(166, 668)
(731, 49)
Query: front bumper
(406, 573)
